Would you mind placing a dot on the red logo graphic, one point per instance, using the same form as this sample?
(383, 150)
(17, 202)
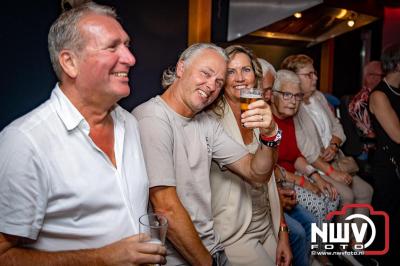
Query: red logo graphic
(372, 212)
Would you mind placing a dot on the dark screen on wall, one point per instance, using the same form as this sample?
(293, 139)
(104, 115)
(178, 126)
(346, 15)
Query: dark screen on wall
(158, 30)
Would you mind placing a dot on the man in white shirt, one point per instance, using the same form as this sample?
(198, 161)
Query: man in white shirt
(73, 182)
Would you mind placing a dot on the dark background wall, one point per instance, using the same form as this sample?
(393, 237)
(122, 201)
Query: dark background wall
(349, 54)
(158, 30)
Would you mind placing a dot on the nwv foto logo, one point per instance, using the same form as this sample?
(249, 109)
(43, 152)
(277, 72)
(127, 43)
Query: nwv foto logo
(340, 233)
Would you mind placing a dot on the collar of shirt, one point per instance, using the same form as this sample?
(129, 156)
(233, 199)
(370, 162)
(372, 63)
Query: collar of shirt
(67, 112)
(71, 117)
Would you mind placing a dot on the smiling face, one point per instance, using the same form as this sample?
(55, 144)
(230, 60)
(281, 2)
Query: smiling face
(200, 80)
(104, 61)
(240, 74)
(285, 108)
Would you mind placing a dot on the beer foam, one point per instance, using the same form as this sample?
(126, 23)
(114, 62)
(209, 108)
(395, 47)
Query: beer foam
(250, 96)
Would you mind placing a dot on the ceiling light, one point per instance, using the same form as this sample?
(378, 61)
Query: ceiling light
(341, 14)
(297, 15)
(350, 23)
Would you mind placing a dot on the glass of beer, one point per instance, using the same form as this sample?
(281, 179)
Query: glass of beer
(249, 95)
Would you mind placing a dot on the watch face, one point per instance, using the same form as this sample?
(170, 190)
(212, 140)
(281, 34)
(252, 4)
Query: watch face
(278, 135)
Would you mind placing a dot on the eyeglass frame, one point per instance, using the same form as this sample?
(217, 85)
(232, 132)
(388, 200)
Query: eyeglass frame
(309, 74)
(287, 96)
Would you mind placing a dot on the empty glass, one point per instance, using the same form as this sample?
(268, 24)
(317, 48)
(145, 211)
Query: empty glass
(154, 227)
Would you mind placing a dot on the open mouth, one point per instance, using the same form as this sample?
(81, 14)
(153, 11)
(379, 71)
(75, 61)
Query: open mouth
(121, 74)
(239, 87)
(203, 94)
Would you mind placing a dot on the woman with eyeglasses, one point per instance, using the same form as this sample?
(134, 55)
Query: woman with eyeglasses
(313, 192)
(247, 217)
(321, 135)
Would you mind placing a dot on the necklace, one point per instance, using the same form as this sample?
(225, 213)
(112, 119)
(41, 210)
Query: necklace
(390, 87)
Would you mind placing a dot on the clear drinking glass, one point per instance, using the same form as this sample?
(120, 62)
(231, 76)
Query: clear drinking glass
(249, 95)
(154, 227)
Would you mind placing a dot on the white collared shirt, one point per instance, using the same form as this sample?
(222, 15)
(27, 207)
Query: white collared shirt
(59, 188)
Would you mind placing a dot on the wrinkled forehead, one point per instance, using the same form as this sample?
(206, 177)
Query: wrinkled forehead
(208, 58)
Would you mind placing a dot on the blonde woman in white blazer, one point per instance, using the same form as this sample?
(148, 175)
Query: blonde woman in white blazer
(247, 216)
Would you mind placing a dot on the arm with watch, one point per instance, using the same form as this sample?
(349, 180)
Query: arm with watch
(329, 153)
(299, 180)
(258, 167)
(308, 170)
(328, 170)
(284, 254)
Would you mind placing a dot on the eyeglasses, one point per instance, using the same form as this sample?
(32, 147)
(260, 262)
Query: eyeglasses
(310, 74)
(287, 96)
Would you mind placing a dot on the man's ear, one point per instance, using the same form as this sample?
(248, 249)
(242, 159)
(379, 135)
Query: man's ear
(180, 68)
(68, 62)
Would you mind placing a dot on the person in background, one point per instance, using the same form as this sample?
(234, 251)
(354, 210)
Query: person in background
(268, 72)
(358, 106)
(320, 136)
(73, 181)
(316, 194)
(384, 107)
(180, 140)
(247, 216)
(297, 217)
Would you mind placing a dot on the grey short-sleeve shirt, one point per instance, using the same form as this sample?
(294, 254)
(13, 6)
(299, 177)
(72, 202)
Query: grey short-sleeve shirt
(178, 152)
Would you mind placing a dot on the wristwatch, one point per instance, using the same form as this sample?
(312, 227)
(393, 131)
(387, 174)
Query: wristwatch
(283, 228)
(273, 141)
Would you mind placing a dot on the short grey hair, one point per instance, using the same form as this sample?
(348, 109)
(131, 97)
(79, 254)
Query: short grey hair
(266, 67)
(285, 76)
(169, 75)
(64, 33)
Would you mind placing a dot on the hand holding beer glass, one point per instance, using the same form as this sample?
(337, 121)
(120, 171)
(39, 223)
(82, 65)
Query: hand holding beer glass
(247, 96)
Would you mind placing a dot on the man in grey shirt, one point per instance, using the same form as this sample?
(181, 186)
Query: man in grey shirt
(180, 140)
